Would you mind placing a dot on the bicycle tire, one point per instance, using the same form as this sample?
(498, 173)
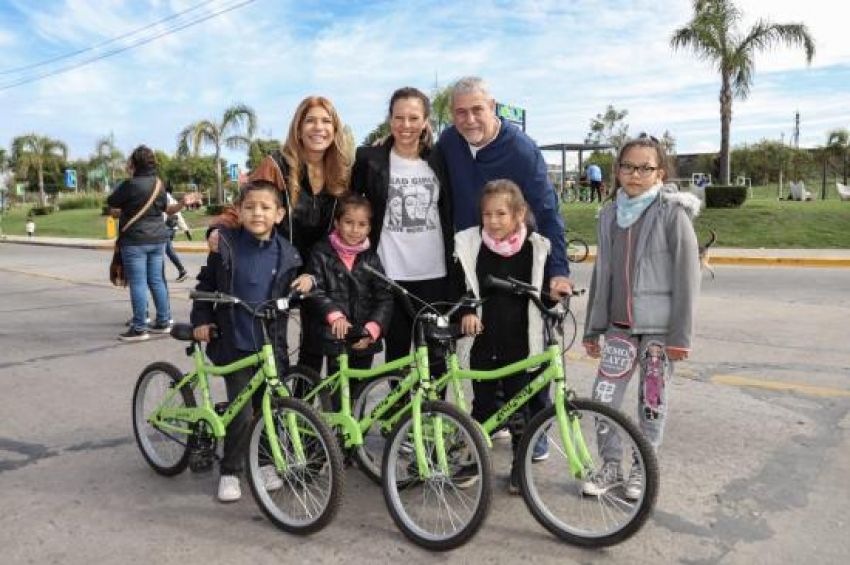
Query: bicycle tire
(577, 250)
(173, 457)
(568, 195)
(542, 484)
(400, 478)
(369, 456)
(299, 380)
(309, 493)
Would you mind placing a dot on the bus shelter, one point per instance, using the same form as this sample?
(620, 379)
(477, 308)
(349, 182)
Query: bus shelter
(580, 148)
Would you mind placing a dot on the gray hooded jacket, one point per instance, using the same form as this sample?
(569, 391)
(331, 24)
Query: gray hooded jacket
(666, 271)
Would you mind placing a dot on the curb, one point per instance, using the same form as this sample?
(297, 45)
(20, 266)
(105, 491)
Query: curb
(771, 261)
(751, 261)
(105, 245)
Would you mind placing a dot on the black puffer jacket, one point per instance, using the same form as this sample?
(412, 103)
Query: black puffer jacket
(358, 294)
(217, 276)
(371, 178)
(130, 196)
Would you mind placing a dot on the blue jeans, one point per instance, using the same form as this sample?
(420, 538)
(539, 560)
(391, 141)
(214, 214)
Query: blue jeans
(143, 267)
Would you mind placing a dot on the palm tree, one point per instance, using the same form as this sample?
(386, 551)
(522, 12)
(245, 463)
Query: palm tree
(33, 151)
(207, 132)
(713, 36)
(108, 156)
(838, 145)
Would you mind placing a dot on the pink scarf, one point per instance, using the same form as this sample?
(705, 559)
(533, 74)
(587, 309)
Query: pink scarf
(508, 246)
(347, 253)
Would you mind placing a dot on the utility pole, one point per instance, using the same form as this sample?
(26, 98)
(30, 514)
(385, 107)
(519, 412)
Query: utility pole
(797, 130)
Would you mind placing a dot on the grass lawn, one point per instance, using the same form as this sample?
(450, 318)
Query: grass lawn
(86, 223)
(763, 221)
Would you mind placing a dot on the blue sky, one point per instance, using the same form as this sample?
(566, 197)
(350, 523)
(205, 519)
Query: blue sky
(562, 61)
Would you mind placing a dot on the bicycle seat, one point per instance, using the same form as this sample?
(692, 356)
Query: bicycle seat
(182, 332)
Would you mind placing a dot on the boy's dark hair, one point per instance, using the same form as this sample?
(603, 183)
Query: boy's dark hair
(259, 185)
(143, 158)
(351, 201)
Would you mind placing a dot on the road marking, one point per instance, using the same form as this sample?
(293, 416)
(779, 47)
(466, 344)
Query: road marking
(737, 380)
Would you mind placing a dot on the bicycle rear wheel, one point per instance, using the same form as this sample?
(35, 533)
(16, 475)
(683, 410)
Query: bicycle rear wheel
(300, 380)
(167, 452)
(577, 250)
(370, 454)
(445, 509)
(602, 508)
(306, 495)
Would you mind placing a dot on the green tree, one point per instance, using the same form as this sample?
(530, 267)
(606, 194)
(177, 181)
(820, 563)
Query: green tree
(712, 35)
(609, 127)
(235, 130)
(109, 157)
(258, 150)
(378, 134)
(838, 146)
(441, 109)
(33, 152)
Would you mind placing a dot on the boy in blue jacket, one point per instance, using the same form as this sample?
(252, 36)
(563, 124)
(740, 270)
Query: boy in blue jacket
(254, 264)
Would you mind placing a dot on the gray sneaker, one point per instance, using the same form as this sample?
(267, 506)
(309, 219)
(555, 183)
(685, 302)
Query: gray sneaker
(634, 484)
(608, 477)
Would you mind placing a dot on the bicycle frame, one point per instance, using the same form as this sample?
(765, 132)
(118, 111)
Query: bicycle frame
(417, 377)
(199, 378)
(573, 442)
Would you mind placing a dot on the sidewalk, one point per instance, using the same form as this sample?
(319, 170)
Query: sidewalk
(719, 255)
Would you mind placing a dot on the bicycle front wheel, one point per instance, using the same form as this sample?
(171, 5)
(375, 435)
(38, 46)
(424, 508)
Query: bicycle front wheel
(617, 490)
(166, 451)
(370, 454)
(577, 250)
(446, 507)
(304, 497)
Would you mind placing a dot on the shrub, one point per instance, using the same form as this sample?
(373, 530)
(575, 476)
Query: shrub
(214, 209)
(725, 196)
(80, 202)
(42, 210)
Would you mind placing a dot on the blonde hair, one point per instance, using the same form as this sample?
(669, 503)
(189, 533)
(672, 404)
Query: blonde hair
(336, 162)
(510, 190)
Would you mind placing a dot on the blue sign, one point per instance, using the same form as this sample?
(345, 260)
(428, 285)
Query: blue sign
(70, 178)
(234, 171)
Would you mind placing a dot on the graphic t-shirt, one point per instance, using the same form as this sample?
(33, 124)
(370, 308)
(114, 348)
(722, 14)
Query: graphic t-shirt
(411, 246)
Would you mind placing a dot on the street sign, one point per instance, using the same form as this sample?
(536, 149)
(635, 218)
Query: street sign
(234, 171)
(70, 178)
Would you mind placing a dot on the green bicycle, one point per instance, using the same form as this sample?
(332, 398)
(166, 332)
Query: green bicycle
(431, 457)
(293, 463)
(591, 442)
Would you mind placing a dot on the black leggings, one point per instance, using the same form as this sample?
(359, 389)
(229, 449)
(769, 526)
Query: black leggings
(398, 336)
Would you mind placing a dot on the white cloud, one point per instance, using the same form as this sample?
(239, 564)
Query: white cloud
(563, 62)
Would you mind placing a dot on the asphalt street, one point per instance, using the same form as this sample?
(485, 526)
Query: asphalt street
(755, 462)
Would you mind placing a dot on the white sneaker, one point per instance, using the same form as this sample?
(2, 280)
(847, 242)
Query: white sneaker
(271, 480)
(608, 477)
(634, 486)
(498, 435)
(228, 488)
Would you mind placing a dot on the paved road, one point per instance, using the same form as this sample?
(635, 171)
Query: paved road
(754, 466)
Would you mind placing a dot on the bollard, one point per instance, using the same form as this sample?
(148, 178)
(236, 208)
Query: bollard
(111, 228)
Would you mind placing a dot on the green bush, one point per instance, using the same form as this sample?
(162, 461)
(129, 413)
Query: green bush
(214, 209)
(725, 196)
(43, 210)
(84, 201)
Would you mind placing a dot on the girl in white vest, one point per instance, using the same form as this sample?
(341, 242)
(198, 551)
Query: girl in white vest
(507, 327)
